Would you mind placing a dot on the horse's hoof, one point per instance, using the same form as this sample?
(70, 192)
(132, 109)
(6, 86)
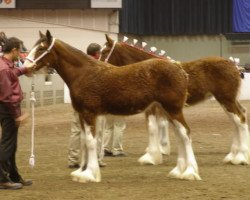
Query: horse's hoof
(89, 176)
(228, 158)
(238, 159)
(76, 172)
(190, 174)
(175, 173)
(150, 159)
(165, 150)
(75, 179)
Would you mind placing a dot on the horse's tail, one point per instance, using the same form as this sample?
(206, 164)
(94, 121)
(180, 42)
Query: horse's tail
(236, 62)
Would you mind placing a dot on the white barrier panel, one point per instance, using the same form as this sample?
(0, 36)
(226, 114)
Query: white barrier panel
(67, 98)
(49, 89)
(245, 90)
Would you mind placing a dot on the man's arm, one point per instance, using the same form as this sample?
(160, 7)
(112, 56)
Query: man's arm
(27, 70)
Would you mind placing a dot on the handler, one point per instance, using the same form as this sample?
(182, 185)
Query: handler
(10, 114)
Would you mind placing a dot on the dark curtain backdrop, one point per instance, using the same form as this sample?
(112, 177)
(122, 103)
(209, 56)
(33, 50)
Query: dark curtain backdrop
(176, 17)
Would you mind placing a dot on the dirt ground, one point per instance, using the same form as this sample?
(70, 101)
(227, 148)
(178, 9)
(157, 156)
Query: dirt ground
(124, 178)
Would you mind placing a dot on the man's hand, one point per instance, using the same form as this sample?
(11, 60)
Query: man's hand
(30, 68)
(22, 118)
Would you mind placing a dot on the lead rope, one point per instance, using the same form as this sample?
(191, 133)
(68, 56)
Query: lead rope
(32, 101)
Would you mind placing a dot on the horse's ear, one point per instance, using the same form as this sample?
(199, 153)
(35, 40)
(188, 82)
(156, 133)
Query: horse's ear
(41, 34)
(48, 36)
(2, 35)
(109, 40)
(3, 39)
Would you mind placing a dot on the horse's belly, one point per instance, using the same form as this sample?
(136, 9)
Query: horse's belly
(126, 109)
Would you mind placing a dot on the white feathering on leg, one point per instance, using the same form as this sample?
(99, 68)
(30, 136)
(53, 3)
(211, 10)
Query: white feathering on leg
(153, 155)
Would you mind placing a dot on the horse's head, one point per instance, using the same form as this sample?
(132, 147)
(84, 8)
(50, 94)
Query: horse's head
(111, 52)
(42, 53)
(120, 53)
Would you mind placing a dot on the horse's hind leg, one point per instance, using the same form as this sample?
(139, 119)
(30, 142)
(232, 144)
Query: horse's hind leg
(162, 122)
(240, 148)
(164, 136)
(187, 167)
(82, 152)
(153, 155)
(243, 109)
(84, 159)
(100, 128)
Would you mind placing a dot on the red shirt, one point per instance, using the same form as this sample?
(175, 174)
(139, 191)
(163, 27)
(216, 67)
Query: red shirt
(10, 89)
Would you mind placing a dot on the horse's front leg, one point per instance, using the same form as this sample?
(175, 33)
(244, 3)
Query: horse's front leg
(187, 167)
(92, 171)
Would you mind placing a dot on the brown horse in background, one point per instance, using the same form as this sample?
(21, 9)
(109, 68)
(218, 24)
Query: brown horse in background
(212, 76)
(98, 88)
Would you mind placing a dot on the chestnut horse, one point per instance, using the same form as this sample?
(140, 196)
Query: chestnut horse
(98, 88)
(212, 76)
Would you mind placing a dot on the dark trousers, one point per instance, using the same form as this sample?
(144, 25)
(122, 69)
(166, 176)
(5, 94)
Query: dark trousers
(8, 146)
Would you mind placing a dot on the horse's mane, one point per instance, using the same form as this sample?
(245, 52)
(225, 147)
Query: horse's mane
(138, 51)
(73, 49)
(76, 54)
(126, 45)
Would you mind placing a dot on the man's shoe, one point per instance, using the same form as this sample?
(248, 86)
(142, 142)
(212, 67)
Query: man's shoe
(11, 186)
(26, 182)
(102, 164)
(119, 154)
(107, 153)
(71, 166)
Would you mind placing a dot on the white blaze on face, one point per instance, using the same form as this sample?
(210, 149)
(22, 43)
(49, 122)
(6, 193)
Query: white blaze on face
(31, 56)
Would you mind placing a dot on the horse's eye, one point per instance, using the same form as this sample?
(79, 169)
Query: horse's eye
(104, 51)
(40, 49)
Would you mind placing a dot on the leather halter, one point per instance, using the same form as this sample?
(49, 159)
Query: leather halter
(43, 54)
(111, 51)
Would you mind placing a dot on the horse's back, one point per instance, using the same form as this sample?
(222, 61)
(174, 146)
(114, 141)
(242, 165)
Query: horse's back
(212, 75)
(132, 88)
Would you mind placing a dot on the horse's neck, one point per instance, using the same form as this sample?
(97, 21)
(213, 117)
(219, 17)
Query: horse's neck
(70, 63)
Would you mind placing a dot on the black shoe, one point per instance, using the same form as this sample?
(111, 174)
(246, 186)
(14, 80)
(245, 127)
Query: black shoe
(119, 154)
(11, 186)
(71, 166)
(26, 182)
(102, 164)
(107, 153)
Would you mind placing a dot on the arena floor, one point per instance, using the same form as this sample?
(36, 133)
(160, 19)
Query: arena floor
(124, 178)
